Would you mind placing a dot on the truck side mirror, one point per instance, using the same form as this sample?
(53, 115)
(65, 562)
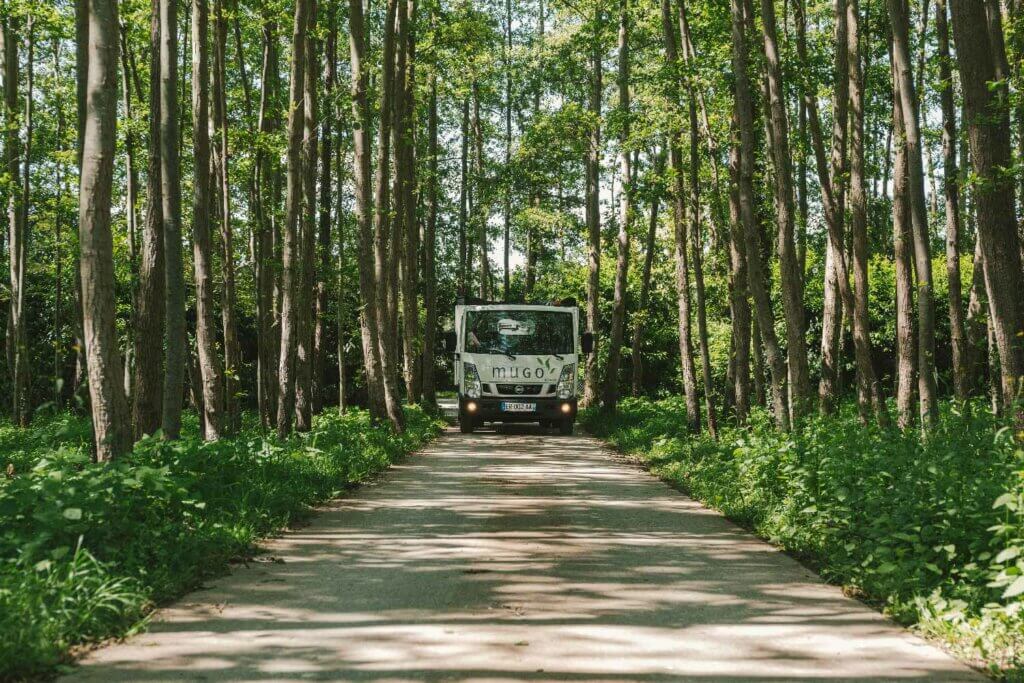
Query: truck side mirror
(587, 342)
(449, 341)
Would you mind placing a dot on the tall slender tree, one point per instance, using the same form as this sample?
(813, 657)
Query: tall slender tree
(170, 195)
(148, 322)
(611, 385)
(291, 249)
(111, 426)
(202, 248)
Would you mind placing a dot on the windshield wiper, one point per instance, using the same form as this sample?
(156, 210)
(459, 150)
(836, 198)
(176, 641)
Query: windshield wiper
(491, 349)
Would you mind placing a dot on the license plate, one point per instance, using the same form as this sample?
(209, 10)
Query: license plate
(509, 407)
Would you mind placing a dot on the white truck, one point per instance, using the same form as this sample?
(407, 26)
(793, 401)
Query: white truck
(518, 363)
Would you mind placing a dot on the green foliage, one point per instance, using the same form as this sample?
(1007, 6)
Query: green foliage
(86, 550)
(933, 531)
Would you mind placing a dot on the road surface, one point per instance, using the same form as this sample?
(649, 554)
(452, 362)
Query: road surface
(520, 556)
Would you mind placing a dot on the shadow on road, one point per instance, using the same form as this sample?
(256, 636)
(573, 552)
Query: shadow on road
(517, 554)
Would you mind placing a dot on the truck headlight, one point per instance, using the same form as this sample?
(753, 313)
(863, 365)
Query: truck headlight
(472, 380)
(567, 382)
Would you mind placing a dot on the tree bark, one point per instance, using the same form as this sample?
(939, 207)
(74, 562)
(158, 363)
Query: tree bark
(13, 152)
(324, 228)
(291, 246)
(306, 268)
(463, 274)
(174, 369)
(593, 211)
(131, 196)
(757, 275)
(697, 242)
(232, 354)
(361, 174)
(739, 298)
(206, 335)
(790, 275)
(267, 170)
(111, 425)
(478, 209)
(430, 246)
(202, 250)
(951, 189)
(409, 225)
(507, 190)
(148, 323)
(869, 393)
(906, 357)
(611, 385)
(645, 282)
(979, 55)
(682, 266)
(382, 226)
(918, 213)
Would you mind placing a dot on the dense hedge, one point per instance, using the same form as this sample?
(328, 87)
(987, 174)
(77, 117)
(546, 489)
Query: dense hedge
(933, 531)
(86, 550)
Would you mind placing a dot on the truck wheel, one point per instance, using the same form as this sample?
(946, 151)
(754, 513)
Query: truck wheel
(565, 426)
(467, 425)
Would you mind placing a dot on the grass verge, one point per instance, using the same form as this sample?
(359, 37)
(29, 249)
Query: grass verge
(86, 550)
(931, 532)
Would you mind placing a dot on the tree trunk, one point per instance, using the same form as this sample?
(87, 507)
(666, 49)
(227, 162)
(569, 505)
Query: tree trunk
(869, 393)
(978, 53)
(291, 246)
(232, 355)
(382, 225)
(645, 282)
(430, 246)
(305, 276)
(757, 274)
(148, 322)
(111, 425)
(267, 169)
(202, 251)
(13, 152)
(919, 216)
(951, 188)
(831, 175)
(369, 324)
(170, 195)
(790, 275)
(697, 243)
(682, 266)
(324, 229)
(593, 213)
(409, 224)
(739, 299)
(58, 258)
(906, 357)
(478, 211)
(463, 283)
(131, 196)
(611, 386)
(507, 190)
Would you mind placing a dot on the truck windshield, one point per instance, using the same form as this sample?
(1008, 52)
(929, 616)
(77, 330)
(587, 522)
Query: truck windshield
(519, 332)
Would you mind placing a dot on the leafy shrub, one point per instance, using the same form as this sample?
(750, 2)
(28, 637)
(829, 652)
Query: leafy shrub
(86, 550)
(933, 530)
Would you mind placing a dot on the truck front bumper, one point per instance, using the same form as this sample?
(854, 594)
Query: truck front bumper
(489, 409)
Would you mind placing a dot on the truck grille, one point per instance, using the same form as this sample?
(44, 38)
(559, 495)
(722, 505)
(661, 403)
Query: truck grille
(521, 389)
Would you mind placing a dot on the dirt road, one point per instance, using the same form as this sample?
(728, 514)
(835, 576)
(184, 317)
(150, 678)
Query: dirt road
(518, 556)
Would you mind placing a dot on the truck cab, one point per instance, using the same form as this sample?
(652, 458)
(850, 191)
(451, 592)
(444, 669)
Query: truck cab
(518, 363)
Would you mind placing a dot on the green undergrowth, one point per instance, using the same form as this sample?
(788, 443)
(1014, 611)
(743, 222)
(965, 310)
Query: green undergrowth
(932, 532)
(87, 550)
